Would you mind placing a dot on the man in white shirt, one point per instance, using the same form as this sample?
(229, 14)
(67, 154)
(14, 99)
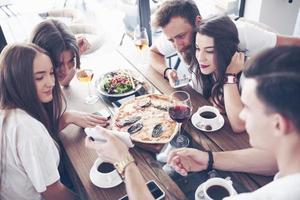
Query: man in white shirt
(177, 19)
(271, 113)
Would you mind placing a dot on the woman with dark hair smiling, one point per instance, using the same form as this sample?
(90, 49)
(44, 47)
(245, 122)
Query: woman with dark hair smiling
(218, 64)
(59, 41)
(31, 108)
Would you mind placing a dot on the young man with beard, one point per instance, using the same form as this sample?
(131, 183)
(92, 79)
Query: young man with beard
(178, 18)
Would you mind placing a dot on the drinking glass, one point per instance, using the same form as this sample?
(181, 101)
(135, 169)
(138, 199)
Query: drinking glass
(140, 38)
(180, 111)
(86, 76)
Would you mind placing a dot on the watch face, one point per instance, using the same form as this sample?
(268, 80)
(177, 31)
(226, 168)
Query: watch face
(230, 79)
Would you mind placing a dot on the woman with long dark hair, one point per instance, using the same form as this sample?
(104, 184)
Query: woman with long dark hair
(218, 64)
(59, 41)
(31, 108)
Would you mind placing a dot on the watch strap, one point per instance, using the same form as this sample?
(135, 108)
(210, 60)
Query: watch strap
(165, 72)
(121, 165)
(210, 161)
(230, 78)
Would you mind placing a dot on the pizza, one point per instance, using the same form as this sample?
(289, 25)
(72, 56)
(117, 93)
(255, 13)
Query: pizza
(147, 119)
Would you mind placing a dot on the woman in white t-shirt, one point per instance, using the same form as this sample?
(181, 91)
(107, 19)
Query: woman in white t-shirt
(217, 66)
(31, 109)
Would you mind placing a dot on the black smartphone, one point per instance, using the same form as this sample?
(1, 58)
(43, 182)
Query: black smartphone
(119, 102)
(155, 190)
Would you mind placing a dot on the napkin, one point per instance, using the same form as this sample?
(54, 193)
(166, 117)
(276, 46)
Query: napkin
(97, 135)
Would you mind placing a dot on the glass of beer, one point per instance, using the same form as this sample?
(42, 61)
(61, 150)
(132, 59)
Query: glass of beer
(140, 38)
(86, 76)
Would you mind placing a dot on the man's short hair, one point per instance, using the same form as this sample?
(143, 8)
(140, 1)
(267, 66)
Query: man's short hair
(186, 9)
(277, 73)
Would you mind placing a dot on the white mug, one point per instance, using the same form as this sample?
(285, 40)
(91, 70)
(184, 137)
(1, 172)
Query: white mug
(104, 180)
(208, 120)
(202, 194)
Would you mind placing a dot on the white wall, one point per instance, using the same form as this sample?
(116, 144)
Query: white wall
(279, 14)
(252, 9)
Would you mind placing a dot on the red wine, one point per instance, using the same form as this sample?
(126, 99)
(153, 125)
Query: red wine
(180, 113)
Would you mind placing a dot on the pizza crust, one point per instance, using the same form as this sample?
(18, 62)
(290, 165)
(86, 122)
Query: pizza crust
(151, 114)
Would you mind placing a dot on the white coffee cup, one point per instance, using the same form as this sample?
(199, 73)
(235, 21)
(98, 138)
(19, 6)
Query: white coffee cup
(202, 190)
(105, 179)
(208, 116)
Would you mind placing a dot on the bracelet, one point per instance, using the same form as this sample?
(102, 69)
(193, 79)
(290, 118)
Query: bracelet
(210, 161)
(121, 166)
(230, 78)
(165, 73)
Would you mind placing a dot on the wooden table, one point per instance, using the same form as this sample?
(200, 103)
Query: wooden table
(79, 160)
(221, 140)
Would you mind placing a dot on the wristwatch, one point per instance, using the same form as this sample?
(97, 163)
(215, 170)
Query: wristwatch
(230, 78)
(165, 72)
(121, 165)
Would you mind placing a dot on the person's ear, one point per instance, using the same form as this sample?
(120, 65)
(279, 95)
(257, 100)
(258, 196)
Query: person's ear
(282, 125)
(198, 20)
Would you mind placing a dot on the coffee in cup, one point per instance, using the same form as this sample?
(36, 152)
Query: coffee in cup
(208, 118)
(105, 167)
(215, 189)
(208, 114)
(104, 174)
(217, 192)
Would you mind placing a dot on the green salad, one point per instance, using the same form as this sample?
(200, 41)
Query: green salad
(117, 83)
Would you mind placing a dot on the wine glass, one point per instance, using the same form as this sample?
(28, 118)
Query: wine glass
(180, 111)
(86, 76)
(140, 38)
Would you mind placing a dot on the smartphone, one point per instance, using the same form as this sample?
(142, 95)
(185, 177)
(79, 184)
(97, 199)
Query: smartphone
(119, 102)
(155, 190)
(103, 112)
(181, 82)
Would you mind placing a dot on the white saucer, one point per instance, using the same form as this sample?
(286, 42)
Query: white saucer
(215, 126)
(103, 180)
(199, 192)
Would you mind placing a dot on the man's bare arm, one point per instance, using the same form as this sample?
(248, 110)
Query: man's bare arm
(157, 60)
(287, 40)
(246, 160)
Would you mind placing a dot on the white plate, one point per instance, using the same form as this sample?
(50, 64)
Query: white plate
(104, 93)
(103, 180)
(216, 126)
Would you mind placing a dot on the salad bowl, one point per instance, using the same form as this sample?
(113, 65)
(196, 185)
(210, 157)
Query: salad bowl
(118, 84)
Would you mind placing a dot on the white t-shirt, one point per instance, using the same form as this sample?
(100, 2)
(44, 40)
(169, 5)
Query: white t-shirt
(252, 38)
(31, 157)
(285, 188)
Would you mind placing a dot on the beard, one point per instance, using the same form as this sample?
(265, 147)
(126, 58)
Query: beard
(187, 54)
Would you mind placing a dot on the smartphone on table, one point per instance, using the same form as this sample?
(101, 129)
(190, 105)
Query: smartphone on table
(155, 190)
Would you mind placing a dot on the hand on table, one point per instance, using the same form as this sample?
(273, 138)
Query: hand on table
(85, 120)
(186, 160)
(112, 151)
